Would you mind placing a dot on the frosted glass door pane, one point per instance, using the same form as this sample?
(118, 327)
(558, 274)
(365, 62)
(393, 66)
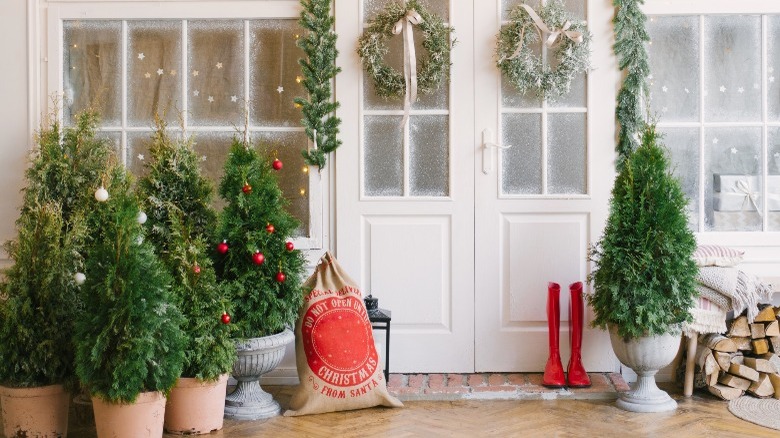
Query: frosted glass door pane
(373, 7)
(674, 66)
(429, 155)
(508, 5)
(92, 69)
(153, 71)
(521, 165)
(383, 156)
(773, 185)
(773, 67)
(275, 73)
(683, 144)
(732, 68)
(114, 140)
(732, 151)
(216, 73)
(294, 176)
(567, 160)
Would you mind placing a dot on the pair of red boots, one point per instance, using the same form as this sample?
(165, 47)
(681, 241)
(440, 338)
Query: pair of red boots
(553, 371)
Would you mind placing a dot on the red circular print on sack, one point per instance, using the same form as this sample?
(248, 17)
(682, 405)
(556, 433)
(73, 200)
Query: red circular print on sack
(338, 341)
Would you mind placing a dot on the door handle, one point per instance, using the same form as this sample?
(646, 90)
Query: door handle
(488, 144)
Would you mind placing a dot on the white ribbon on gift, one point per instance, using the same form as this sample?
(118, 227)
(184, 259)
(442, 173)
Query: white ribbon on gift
(555, 36)
(743, 187)
(410, 58)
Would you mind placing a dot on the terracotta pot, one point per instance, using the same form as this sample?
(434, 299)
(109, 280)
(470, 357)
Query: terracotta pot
(196, 407)
(39, 412)
(144, 418)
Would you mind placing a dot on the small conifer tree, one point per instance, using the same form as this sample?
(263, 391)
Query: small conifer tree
(129, 338)
(255, 257)
(176, 199)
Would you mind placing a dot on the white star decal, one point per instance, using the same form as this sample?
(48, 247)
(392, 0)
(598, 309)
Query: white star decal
(173, 72)
(687, 91)
(141, 157)
(147, 75)
(664, 89)
(234, 98)
(715, 140)
(279, 89)
(211, 98)
(741, 90)
(219, 65)
(141, 56)
(203, 158)
(196, 93)
(650, 77)
(195, 72)
(771, 79)
(722, 89)
(733, 150)
(160, 71)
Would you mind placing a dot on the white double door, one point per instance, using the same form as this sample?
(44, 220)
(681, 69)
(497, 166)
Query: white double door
(465, 272)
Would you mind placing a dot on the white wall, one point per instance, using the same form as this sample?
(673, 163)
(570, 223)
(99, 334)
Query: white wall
(14, 140)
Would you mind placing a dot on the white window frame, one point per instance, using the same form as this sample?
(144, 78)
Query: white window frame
(762, 247)
(46, 37)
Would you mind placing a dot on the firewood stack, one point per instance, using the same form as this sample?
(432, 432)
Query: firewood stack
(745, 360)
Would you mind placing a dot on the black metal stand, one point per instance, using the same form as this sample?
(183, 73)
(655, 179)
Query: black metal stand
(380, 320)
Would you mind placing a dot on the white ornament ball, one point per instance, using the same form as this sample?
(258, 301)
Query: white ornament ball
(80, 278)
(101, 194)
(141, 217)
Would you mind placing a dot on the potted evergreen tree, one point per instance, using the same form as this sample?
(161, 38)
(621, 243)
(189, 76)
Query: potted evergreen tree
(644, 276)
(257, 261)
(129, 344)
(40, 304)
(176, 198)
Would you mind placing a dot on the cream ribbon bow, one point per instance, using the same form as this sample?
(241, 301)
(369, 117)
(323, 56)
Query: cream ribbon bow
(556, 36)
(410, 58)
(743, 187)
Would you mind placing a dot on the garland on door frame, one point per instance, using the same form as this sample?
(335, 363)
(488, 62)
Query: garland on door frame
(433, 69)
(630, 39)
(552, 25)
(319, 69)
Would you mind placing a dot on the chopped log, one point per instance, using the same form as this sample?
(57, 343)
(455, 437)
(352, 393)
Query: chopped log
(737, 357)
(766, 314)
(763, 388)
(739, 327)
(725, 392)
(773, 359)
(757, 331)
(723, 359)
(712, 379)
(718, 343)
(775, 379)
(760, 346)
(772, 328)
(742, 343)
(706, 361)
(775, 343)
(760, 365)
(743, 371)
(734, 381)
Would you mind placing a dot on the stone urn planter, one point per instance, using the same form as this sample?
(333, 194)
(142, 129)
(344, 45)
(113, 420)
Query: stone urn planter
(143, 418)
(196, 407)
(645, 356)
(37, 411)
(256, 357)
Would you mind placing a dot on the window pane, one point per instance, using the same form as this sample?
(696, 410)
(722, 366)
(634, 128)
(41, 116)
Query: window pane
(521, 164)
(733, 169)
(275, 73)
(429, 155)
(216, 73)
(92, 69)
(773, 185)
(383, 156)
(137, 152)
(683, 145)
(576, 95)
(567, 160)
(114, 139)
(508, 5)
(773, 67)
(732, 73)
(153, 71)
(674, 63)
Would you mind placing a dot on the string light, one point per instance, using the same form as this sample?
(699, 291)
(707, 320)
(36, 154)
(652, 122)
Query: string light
(298, 79)
(305, 169)
(303, 192)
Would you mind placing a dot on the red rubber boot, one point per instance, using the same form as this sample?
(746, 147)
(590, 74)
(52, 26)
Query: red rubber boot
(553, 371)
(576, 375)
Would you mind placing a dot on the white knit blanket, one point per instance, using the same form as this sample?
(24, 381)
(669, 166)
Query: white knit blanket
(742, 290)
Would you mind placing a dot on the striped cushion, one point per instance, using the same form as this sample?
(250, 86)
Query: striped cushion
(716, 255)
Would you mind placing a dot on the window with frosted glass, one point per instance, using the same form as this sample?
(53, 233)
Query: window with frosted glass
(411, 161)
(713, 93)
(210, 78)
(547, 139)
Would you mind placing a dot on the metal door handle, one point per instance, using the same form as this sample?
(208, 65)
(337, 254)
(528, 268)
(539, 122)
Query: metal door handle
(488, 144)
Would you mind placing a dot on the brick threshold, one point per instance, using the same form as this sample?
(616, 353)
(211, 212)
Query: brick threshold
(499, 386)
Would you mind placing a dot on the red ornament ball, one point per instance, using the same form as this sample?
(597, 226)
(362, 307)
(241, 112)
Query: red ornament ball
(196, 269)
(280, 277)
(258, 258)
(222, 248)
(225, 318)
(277, 164)
(270, 228)
(247, 189)
(289, 246)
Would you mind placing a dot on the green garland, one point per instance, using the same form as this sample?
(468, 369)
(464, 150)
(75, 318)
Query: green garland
(630, 39)
(319, 70)
(433, 69)
(527, 71)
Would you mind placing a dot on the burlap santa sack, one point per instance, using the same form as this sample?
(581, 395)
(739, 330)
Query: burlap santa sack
(337, 361)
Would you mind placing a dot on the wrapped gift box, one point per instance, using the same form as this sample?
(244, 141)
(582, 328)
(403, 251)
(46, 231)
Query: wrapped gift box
(743, 193)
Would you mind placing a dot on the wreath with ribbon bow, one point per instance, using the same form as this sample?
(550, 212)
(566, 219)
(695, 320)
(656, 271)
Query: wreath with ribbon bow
(400, 19)
(568, 40)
